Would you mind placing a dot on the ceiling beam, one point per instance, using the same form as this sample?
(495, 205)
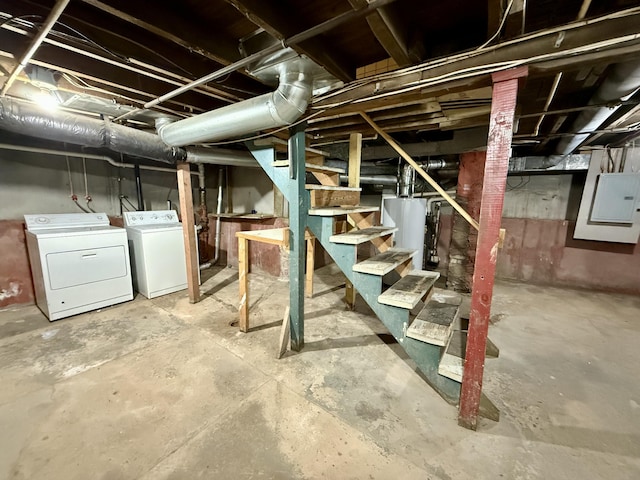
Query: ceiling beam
(495, 10)
(388, 30)
(84, 84)
(163, 22)
(128, 44)
(120, 74)
(462, 141)
(282, 23)
(583, 42)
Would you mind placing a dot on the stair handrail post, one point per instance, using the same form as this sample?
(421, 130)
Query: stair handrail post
(503, 104)
(298, 212)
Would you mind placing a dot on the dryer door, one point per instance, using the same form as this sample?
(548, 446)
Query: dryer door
(79, 267)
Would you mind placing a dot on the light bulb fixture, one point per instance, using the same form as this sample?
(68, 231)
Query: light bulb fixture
(46, 99)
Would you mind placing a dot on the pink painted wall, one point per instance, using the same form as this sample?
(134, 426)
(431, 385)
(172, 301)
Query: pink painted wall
(16, 286)
(544, 252)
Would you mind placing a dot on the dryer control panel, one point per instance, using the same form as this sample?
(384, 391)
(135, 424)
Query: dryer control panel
(47, 221)
(154, 217)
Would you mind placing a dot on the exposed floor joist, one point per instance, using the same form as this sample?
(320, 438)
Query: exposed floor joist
(389, 33)
(281, 26)
(583, 42)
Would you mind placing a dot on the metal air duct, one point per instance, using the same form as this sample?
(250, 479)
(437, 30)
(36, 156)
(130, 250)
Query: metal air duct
(27, 119)
(622, 82)
(271, 110)
(221, 156)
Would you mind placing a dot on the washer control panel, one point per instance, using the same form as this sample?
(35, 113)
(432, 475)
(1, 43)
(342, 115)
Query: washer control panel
(154, 217)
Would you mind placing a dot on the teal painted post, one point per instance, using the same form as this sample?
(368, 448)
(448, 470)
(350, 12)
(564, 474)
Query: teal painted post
(298, 211)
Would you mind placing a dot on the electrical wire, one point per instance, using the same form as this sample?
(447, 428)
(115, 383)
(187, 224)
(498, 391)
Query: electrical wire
(19, 17)
(81, 207)
(519, 185)
(504, 19)
(423, 68)
(125, 198)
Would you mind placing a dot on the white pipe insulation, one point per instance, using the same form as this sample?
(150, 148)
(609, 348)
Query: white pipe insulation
(621, 83)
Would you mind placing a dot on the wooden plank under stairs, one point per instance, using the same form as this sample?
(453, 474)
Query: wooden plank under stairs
(311, 167)
(384, 262)
(337, 211)
(356, 237)
(333, 196)
(325, 175)
(409, 290)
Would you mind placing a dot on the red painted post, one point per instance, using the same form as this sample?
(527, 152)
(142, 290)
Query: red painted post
(503, 104)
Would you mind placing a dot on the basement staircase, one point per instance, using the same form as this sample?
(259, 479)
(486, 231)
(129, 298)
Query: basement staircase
(341, 224)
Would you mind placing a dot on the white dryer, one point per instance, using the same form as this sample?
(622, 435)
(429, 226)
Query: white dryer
(78, 261)
(156, 243)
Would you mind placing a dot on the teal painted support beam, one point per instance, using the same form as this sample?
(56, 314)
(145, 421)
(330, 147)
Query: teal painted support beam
(265, 156)
(427, 358)
(298, 210)
(368, 286)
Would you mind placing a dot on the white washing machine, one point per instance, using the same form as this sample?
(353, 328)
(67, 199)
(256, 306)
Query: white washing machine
(156, 243)
(78, 261)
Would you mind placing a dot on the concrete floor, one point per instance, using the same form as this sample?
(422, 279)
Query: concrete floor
(163, 389)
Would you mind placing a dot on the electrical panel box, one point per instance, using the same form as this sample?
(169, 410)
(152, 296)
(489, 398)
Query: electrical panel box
(616, 198)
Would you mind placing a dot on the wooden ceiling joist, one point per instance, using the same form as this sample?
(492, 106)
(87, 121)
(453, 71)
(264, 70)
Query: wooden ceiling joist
(282, 25)
(389, 33)
(583, 42)
(162, 22)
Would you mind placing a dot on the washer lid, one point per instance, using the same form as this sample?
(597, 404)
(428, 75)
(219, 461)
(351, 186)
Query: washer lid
(55, 221)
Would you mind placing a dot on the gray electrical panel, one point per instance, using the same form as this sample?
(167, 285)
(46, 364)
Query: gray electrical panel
(616, 198)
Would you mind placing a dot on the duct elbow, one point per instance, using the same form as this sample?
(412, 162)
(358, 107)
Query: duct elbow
(272, 110)
(292, 97)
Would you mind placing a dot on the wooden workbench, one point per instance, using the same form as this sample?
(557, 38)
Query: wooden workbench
(273, 236)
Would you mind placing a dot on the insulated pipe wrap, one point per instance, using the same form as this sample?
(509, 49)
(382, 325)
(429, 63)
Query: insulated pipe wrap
(623, 81)
(27, 119)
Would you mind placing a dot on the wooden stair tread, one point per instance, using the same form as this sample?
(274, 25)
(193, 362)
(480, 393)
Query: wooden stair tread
(384, 262)
(335, 211)
(356, 237)
(449, 297)
(313, 186)
(434, 323)
(311, 167)
(452, 361)
(409, 290)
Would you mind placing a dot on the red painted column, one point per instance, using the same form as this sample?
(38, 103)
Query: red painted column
(503, 104)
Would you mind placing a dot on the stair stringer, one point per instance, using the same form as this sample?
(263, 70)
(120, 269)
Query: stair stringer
(278, 175)
(396, 319)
